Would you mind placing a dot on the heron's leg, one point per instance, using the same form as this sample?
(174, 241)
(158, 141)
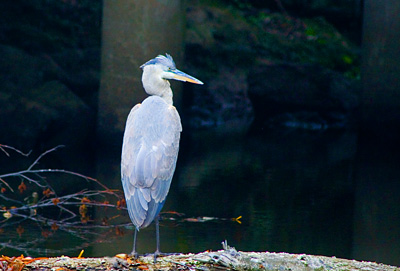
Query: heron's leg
(158, 234)
(134, 252)
(157, 252)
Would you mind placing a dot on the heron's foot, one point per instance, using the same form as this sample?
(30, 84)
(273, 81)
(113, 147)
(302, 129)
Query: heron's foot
(134, 255)
(159, 253)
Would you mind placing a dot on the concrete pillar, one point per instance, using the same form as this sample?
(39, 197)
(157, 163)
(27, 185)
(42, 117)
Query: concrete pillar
(381, 58)
(132, 33)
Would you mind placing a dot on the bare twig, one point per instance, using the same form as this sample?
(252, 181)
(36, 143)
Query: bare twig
(43, 154)
(2, 148)
(34, 177)
(6, 184)
(73, 209)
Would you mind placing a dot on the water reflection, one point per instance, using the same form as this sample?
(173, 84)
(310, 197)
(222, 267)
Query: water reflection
(377, 202)
(298, 192)
(293, 190)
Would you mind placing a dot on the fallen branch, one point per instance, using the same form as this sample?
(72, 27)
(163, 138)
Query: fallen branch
(227, 259)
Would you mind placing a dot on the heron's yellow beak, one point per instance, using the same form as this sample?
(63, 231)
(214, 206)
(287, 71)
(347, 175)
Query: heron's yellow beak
(181, 76)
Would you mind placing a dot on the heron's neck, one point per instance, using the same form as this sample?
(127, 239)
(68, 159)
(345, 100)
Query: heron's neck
(154, 85)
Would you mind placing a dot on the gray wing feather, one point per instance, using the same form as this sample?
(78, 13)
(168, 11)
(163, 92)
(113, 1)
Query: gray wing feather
(149, 154)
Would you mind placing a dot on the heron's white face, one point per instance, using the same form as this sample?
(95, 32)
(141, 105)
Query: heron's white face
(163, 68)
(157, 71)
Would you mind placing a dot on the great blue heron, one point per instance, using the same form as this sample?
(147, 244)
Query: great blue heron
(150, 146)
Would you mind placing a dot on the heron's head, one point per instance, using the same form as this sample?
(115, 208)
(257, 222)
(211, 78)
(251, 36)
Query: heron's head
(164, 67)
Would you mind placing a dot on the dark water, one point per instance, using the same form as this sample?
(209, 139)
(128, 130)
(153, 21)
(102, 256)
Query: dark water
(327, 193)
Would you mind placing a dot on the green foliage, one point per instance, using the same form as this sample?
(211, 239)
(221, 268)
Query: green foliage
(315, 41)
(238, 38)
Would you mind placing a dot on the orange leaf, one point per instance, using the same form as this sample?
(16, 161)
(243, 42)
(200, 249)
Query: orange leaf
(55, 201)
(54, 227)
(22, 187)
(47, 192)
(122, 256)
(84, 219)
(85, 199)
(83, 210)
(121, 203)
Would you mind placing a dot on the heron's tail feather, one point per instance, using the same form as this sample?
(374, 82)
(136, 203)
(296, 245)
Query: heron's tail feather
(142, 212)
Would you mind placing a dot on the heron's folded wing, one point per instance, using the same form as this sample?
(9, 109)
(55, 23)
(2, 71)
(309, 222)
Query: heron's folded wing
(149, 155)
(165, 154)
